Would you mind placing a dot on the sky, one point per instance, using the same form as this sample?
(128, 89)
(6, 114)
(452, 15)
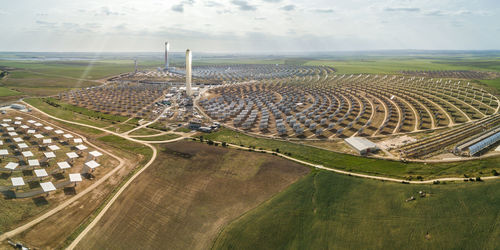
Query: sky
(244, 26)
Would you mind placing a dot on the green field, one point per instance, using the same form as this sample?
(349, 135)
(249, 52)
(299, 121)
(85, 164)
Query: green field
(395, 65)
(8, 92)
(41, 78)
(145, 131)
(159, 138)
(352, 163)
(330, 211)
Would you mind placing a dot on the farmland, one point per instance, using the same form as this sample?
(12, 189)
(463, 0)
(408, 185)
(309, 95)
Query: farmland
(359, 164)
(326, 210)
(192, 195)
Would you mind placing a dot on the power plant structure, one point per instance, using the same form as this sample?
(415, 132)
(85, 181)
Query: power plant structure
(167, 48)
(135, 65)
(189, 59)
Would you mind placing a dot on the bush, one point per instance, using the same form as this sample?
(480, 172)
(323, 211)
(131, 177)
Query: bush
(224, 144)
(435, 182)
(210, 142)
(494, 172)
(478, 179)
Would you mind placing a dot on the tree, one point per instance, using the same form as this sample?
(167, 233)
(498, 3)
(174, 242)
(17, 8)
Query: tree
(224, 144)
(494, 172)
(210, 142)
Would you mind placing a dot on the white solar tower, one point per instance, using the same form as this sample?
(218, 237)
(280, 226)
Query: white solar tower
(189, 59)
(167, 48)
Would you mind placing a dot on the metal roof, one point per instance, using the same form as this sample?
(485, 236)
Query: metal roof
(360, 143)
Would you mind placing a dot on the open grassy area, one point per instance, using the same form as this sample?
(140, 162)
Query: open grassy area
(187, 195)
(40, 78)
(73, 113)
(395, 65)
(145, 131)
(159, 138)
(159, 126)
(8, 92)
(352, 163)
(330, 211)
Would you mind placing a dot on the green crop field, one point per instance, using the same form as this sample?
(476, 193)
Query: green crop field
(159, 138)
(41, 78)
(330, 211)
(483, 167)
(8, 92)
(395, 65)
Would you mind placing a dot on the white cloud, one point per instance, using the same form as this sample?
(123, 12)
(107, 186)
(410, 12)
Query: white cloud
(215, 25)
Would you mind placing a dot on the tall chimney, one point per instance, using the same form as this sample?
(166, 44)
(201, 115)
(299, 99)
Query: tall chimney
(135, 65)
(167, 48)
(188, 72)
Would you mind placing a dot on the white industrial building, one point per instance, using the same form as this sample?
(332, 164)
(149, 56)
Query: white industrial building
(362, 145)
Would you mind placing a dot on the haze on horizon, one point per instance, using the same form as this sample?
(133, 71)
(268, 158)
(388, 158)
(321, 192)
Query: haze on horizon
(249, 26)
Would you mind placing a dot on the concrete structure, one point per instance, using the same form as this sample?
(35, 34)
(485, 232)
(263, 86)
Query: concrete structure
(167, 48)
(194, 124)
(362, 145)
(18, 106)
(188, 72)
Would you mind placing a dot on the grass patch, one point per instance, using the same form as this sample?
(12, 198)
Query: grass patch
(8, 92)
(358, 164)
(183, 130)
(144, 131)
(159, 138)
(159, 126)
(395, 65)
(329, 211)
(122, 127)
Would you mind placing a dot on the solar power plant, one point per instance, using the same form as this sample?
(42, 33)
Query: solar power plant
(329, 106)
(33, 153)
(246, 72)
(135, 100)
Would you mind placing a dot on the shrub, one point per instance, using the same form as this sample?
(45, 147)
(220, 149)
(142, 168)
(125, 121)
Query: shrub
(478, 179)
(494, 172)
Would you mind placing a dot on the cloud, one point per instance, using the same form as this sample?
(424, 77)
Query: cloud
(243, 5)
(45, 23)
(213, 4)
(402, 9)
(455, 13)
(289, 7)
(260, 18)
(272, 1)
(323, 10)
(178, 8)
(108, 12)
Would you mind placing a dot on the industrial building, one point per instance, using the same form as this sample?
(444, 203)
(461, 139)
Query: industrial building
(479, 143)
(362, 145)
(18, 106)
